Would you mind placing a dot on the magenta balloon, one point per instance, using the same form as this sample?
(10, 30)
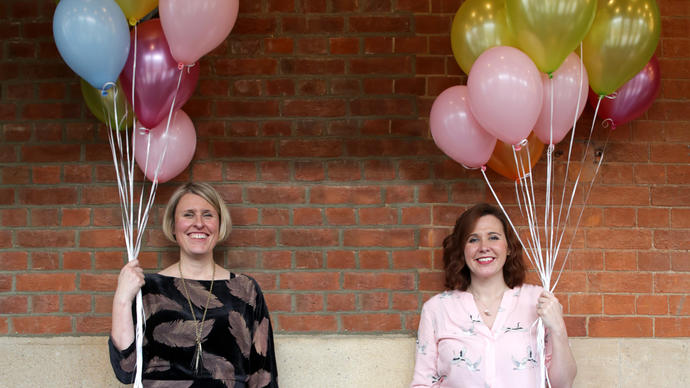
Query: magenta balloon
(456, 132)
(196, 27)
(633, 98)
(569, 79)
(157, 75)
(181, 144)
(505, 91)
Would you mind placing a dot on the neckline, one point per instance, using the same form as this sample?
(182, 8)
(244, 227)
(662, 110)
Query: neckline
(231, 275)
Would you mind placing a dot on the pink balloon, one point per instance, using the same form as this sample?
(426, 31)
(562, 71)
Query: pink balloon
(505, 91)
(149, 145)
(157, 75)
(633, 98)
(456, 132)
(194, 28)
(569, 81)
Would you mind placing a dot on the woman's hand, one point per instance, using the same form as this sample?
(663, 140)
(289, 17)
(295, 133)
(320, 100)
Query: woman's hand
(129, 282)
(551, 312)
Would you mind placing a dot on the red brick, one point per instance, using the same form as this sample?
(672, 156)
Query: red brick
(621, 261)
(412, 259)
(372, 322)
(585, 304)
(308, 259)
(44, 217)
(13, 261)
(309, 302)
(378, 280)
(252, 238)
(340, 302)
(94, 325)
(678, 305)
(620, 327)
(76, 303)
(45, 260)
(619, 304)
(101, 238)
(309, 237)
(672, 282)
(97, 282)
(52, 196)
(45, 238)
(341, 259)
(278, 302)
(44, 304)
(310, 281)
(374, 301)
(42, 324)
(373, 260)
(671, 327)
(629, 282)
(618, 238)
(671, 239)
(14, 304)
(307, 323)
(652, 305)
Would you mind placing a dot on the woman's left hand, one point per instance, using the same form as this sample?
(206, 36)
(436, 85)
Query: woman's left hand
(551, 312)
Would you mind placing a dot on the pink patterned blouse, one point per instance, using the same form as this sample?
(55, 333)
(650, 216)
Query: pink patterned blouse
(456, 349)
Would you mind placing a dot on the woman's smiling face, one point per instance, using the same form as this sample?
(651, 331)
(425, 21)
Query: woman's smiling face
(196, 226)
(486, 248)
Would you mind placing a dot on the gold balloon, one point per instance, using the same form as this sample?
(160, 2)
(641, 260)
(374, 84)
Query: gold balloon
(549, 30)
(478, 25)
(136, 9)
(104, 107)
(621, 41)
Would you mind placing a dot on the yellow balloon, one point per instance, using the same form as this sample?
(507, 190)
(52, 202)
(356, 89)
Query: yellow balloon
(478, 25)
(136, 9)
(549, 30)
(111, 109)
(621, 41)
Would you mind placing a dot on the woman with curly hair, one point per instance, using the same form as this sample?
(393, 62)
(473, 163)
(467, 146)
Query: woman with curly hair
(481, 331)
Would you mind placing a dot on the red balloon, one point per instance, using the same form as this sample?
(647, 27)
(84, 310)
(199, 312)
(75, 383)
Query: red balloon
(633, 98)
(157, 75)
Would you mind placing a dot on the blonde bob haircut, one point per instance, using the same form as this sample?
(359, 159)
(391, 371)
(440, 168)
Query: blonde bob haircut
(205, 191)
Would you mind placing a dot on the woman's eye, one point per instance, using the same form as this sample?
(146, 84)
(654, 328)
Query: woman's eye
(494, 238)
(472, 240)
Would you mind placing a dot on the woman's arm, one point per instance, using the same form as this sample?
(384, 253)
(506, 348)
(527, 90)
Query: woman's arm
(129, 282)
(562, 368)
(425, 371)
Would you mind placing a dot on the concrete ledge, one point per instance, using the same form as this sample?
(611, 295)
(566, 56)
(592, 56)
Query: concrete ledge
(344, 361)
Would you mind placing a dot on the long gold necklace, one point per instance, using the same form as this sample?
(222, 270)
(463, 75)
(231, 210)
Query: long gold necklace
(198, 326)
(487, 309)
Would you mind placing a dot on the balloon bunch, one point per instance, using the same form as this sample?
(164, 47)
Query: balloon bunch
(136, 82)
(527, 86)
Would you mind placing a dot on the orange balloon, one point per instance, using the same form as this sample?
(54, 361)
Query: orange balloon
(503, 161)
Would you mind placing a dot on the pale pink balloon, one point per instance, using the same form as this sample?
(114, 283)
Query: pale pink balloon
(456, 132)
(505, 92)
(149, 145)
(570, 78)
(195, 27)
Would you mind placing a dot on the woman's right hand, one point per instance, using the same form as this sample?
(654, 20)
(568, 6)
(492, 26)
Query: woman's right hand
(129, 282)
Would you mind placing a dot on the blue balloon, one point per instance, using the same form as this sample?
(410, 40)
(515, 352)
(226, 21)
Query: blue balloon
(92, 37)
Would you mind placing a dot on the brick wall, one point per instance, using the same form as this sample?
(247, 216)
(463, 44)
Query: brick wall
(312, 121)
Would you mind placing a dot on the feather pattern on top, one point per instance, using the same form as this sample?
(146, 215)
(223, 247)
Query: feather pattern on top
(157, 364)
(259, 379)
(198, 294)
(168, 383)
(181, 333)
(219, 367)
(238, 328)
(242, 287)
(260, 339)
(157, 302)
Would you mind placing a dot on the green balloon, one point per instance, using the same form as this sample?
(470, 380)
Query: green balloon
(621, 41)
(549, 30)
(477, 26)
(111, 109)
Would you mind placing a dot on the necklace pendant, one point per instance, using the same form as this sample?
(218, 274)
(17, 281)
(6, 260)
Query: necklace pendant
(487, 312)
(198, 358)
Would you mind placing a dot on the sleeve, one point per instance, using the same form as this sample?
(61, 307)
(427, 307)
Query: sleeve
(425, 371)
(262, 359)
(123, 362)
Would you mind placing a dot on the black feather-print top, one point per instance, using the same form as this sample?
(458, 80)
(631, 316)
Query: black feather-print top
(237, 337)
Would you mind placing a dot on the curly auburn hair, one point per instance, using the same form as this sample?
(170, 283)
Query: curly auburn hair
(456, 271)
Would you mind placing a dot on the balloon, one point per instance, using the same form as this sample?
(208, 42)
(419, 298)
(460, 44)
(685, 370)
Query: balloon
(503, 160)
(194, 28)
(136, 9)
(505, 93)
(181, 143)
(93, 38)
(111, 109)
(620, 43)
(477, 26)
(157, 75)
(456, 132)
(549, 30)
(570, 84)
(633, 98)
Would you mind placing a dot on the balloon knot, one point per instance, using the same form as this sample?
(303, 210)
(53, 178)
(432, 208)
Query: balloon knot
(550, 75)
(180, 66)
(484, 168)
(133, 21)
